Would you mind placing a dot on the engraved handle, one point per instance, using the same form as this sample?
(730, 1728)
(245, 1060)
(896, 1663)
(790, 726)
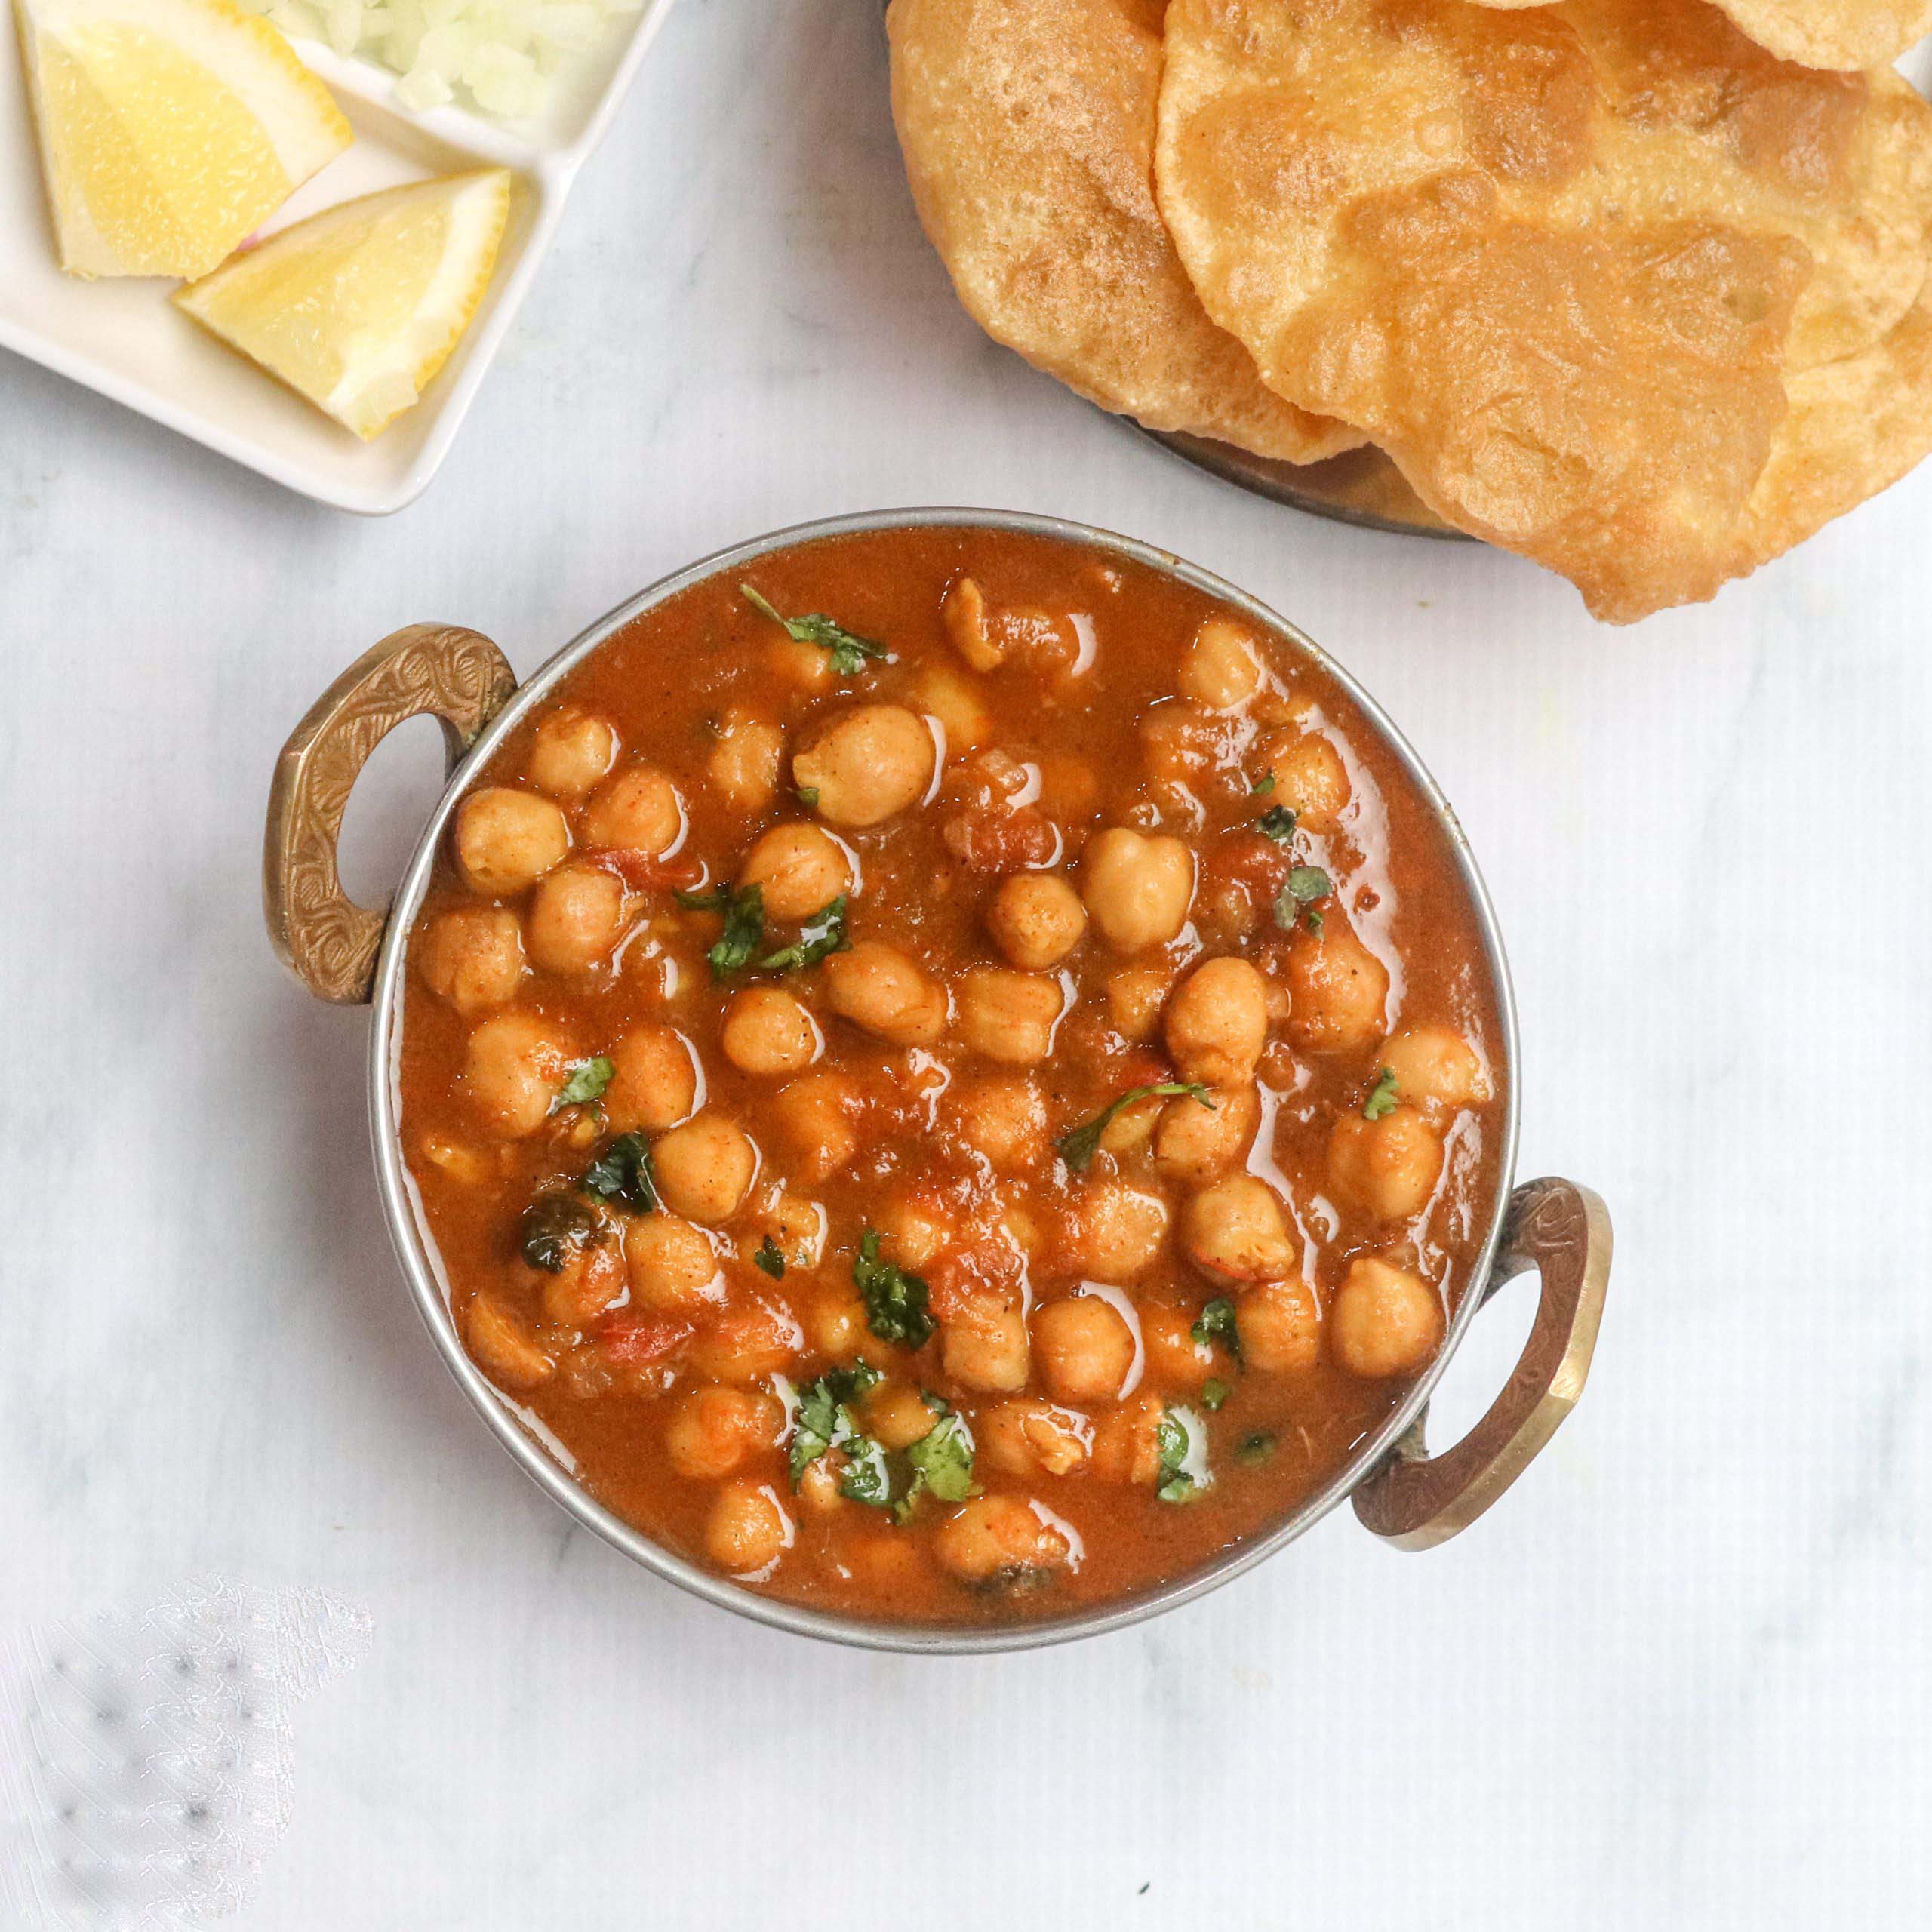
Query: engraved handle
(1415, 1499)
(322, 936)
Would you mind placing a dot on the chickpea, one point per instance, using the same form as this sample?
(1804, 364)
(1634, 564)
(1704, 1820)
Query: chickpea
(896, 1416)
(745, 1344)
(748, 1530)
(705, 1168)
(504, 1344)
(1337, 990)
(713, 1429)
(673, 1266)
(516, 1064)
(1234, 1230)
(887, 994)
(815, 1121)
(1174, 1358)
(1036, 919)
(767, 1031)
(1135, 996)
(993, 1535)
(744, 763)
(1280, 1327)
(1387, 1167)
(1309, 775)
(1003, 1118)
(1121, 1231)
(1137, 888)
(1385, 1321)
(984, 1346)
(1026, 1437)
(638, 811)
(654, 1083)
(1132, 1128)
(799, 1227)
(1127, 1444)
(913, 1232)
(818, 1485)
(472, 956)
(570, 751)
(806, 667)
(590, 1280)
(1217, 1022)
(800, 868)
(576, 917)
(964, 614)
(1085, 1349)
(1221, 667)
(1201, 1143)
(947, 696)
(506, 840)
(1069, 790)
(1435, 1069)
(837, 1325)
(1009, 1017)
(867, 764)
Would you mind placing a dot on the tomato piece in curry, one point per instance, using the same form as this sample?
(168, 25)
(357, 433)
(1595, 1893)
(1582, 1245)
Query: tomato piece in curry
(955, 1075)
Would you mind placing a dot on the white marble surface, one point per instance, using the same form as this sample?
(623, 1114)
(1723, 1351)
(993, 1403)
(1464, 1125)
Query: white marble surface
(1680, 1678)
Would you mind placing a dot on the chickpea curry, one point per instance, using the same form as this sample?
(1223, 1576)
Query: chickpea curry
(956, 1076)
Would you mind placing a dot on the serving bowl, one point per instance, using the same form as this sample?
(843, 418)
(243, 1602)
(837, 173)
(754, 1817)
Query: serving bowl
(351, 954)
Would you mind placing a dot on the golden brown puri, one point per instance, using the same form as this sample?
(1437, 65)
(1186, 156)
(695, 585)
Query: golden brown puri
(1843, 34)
(1616, 288)
(1028, 128)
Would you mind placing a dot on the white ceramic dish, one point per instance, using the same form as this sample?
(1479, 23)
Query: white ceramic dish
(125, 338)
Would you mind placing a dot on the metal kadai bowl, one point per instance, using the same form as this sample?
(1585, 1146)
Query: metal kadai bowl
(350, 955)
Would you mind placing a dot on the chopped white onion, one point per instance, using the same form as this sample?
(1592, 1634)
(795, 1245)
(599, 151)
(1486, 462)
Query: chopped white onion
(503, 53)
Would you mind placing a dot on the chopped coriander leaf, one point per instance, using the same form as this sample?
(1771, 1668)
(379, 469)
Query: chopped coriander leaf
(941, 1460)
(895, 1298)
(1214, 1391)
(622, 1172)
(808, 797)
(1314, 920)
(820, 936)
(554, 1227)
(1277, 822)
(849, 651)
(1262, 786)
(1216, 1323)
(1078, 1147)
(824, 1420)
(744, 925)
(1381, 1097)
(1256, 1449)
(866, 1478)
(586, 1083)
(770, 1258)
(1173, 1485)
(1305, 884)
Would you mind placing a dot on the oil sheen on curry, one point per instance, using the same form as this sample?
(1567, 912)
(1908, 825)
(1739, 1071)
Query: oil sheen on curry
(955, 1075)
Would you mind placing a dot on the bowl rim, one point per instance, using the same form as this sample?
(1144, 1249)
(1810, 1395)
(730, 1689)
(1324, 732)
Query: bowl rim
(523, 1436)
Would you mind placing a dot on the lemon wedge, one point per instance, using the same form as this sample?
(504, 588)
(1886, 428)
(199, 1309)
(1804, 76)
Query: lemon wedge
(169, 129)
(358, 307)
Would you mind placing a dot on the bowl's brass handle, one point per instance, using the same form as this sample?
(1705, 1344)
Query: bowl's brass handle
(1416, 1499)
(323, 936)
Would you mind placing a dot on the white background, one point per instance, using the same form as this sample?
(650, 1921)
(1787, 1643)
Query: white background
(1679, 1678)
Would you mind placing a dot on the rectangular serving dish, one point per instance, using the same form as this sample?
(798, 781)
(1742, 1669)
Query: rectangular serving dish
(125, 338)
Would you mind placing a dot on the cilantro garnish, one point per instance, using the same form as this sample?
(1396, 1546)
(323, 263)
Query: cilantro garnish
(1214, 1391)
(1262, 786)
(808, 797)
(1078, 1147)
(849, 652)
(1277, 822)
(1173, 1485)
(941, 1460)
(743, 908)
(623, 1173)
(1216, 1323)
(585, 1082)
(824, 1420)
(1257, 1448)
(895, 1297)
(1305, 883)
(554, 1227)
(820, 936)
(1381, 1097)
(770, 1259)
